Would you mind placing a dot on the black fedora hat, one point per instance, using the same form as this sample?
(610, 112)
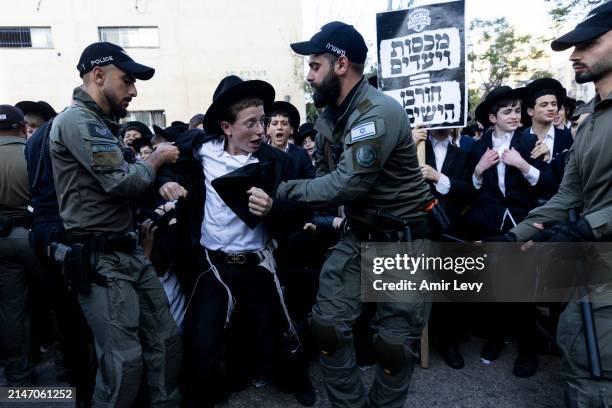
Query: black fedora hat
(536, 88)
(140, 142)
(307, 129)
(230, 90)
(282, 106)
(171, 133)
(136, 125)
(496, 95)
(40, 108)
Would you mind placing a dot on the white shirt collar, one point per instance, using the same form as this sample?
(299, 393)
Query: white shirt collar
(435, 142)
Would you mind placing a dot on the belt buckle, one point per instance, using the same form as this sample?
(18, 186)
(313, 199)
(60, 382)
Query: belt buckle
(239, 259)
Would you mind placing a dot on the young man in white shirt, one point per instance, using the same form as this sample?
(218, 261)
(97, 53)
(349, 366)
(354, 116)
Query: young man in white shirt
(543, 100)
(235, 308)
(507, 182)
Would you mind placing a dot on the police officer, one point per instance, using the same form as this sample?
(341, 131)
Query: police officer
(74, 336)
(125, 304)
(587, 184)
(17, 261)
(377, 170)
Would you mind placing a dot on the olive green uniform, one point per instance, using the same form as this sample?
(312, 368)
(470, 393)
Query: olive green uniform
(378, 169)
(17, 263)
(129, 318)
(587, 184)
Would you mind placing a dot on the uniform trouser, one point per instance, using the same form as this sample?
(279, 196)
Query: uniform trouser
(74, 336)
(339, 304)
(249, 340)
(17, 262)
(580, 391)
(131, 322)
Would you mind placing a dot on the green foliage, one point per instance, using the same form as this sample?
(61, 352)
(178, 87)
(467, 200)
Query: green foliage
(498, 54)
(566, 10)
(540, 73)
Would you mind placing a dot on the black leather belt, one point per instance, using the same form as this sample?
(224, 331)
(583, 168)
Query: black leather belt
(419, 229)
(240, 258)
(103, 242)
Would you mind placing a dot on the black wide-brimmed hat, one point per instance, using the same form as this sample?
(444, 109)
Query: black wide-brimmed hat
(140, 142)
(597, 23)
(307, 129)
(230, 90)
(535, 89)
(40, 108)
(495, 95)
(282, 106)
(136, 125)
(171, 133)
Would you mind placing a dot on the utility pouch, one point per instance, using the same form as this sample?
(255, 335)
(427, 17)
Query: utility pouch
(78, 269)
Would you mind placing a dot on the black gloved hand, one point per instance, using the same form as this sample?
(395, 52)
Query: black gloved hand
(565, 231)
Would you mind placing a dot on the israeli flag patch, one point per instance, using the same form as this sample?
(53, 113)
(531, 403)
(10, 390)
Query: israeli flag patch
(363, 131)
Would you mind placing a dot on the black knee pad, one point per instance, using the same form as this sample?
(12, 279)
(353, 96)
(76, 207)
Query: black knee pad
(392, 357)
(326, 335)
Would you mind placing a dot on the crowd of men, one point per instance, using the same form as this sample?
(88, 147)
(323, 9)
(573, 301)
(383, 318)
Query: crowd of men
(177, 266)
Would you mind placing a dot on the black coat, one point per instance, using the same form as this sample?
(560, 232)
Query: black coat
(487, 211)
(563, 142)
(457, 169)
(300, 163)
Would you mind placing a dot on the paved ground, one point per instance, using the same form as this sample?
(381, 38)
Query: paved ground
(475, 386)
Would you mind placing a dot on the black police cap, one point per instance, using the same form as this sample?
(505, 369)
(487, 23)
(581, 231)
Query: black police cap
(335, 38)
(11, 117)
(597, 23)
(104, 53)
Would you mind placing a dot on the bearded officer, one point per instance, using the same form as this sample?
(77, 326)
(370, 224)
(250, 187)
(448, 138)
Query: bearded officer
(586, 184)
(376, 170)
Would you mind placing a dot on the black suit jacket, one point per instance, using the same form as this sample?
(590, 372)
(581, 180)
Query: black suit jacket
(487, 211)
(300, 163)
(457, 169)
(563, 142)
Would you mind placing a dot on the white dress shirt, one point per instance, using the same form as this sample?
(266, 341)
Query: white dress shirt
(440, 147)
(221, 228)
(549, 139)
(501, 143)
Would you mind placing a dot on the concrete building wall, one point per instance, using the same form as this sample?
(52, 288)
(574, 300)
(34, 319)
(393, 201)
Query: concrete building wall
(200, 42)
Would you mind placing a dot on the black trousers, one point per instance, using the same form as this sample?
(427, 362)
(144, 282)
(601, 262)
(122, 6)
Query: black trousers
(247, 345)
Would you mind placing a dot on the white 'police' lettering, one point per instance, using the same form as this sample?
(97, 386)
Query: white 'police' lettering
(101, 60)
(335, 49)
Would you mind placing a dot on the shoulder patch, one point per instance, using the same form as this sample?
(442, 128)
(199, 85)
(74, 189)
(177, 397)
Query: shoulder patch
(98, 130)
(365, 155)
(364, 106)
(362, 131)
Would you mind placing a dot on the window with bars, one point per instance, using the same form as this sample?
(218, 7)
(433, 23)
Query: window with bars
(149, 118)
(130, 37)
(26, 37)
